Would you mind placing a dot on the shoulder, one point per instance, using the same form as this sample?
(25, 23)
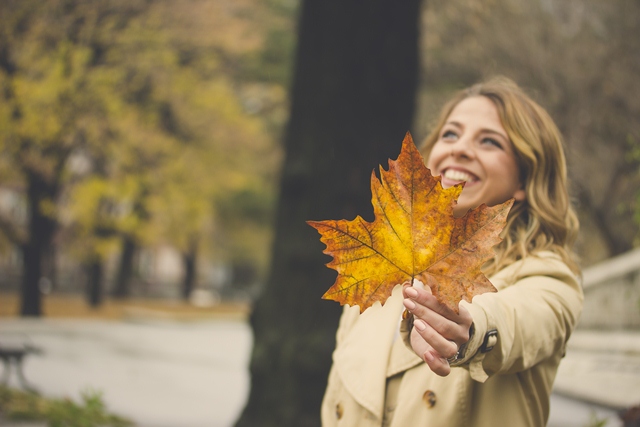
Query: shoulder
(542, 264)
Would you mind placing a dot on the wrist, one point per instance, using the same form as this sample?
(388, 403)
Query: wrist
(458, 358)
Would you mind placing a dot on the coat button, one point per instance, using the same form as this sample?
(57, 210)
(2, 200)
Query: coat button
(339, 411)
(429, 398)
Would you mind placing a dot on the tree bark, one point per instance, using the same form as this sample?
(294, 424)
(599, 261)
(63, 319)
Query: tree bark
(189, 261)
(353, 99)
(125, 269)
(95, 278)
(31, 304)
(38, 245)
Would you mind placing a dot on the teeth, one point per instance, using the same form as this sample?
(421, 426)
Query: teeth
(456, 175)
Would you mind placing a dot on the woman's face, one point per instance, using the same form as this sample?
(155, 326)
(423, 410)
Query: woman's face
(474, 147)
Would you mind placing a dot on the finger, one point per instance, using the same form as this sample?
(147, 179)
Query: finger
(432, 283)
(424, 298)
(436, 363)
(444, 347)
(432, 302)
(416, 283)
(445, 327)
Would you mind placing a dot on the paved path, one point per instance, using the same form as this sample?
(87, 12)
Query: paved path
(190, 374)
(602, 367)
(160, 374)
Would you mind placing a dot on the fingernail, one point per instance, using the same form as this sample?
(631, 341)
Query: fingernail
(429, 356)
(410, 305)
(419, 324)
(411, 292)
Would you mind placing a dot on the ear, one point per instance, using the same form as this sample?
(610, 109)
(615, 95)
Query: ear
(520, 195)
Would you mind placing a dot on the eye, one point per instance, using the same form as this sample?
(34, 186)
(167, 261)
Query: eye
(491, 141)
(449, 135)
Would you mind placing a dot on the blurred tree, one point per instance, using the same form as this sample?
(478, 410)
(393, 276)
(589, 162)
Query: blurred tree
(49, 108)
(127, 124)
(94, 224)
(580, 59)
(352, 102)
(218, 146)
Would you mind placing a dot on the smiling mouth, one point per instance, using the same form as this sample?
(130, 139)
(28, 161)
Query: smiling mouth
(459, 176)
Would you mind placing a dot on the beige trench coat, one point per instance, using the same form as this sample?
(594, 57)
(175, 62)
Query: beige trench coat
(505, 379)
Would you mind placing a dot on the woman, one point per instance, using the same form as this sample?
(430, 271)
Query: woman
(494, 363)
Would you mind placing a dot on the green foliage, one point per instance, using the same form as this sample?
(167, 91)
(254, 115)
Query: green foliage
(247, 215)
(90, 412)
(208, 143)
(633, 157)
(143, 120)
(251, 204)
(267, 65)
(595, 421)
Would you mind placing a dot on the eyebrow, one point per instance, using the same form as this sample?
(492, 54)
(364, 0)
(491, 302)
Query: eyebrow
(484, 130)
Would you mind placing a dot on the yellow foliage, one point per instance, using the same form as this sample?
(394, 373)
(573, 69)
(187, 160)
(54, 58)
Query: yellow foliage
(156, 114)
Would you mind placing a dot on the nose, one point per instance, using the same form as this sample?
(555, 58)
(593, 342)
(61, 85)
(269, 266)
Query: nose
(463, 149)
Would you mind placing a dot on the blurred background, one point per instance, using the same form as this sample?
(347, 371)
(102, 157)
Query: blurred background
(158, 160)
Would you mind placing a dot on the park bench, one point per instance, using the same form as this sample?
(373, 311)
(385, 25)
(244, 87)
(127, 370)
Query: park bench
(13, 353)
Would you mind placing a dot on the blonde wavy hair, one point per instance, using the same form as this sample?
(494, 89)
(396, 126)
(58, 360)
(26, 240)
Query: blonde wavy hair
(545, 220)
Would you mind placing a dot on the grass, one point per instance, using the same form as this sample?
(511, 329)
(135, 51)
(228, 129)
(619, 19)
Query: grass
(75, 306)
(17, 405)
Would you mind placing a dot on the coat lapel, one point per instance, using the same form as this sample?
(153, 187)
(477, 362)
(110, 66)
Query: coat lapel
(362, 360)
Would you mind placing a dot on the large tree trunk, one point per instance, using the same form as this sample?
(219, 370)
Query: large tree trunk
(31, 271)
(353, 99)
(35, 250)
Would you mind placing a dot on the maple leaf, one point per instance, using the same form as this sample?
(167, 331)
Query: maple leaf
(414, 236)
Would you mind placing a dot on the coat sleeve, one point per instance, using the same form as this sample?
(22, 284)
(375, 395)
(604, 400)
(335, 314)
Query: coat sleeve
(528, 320)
